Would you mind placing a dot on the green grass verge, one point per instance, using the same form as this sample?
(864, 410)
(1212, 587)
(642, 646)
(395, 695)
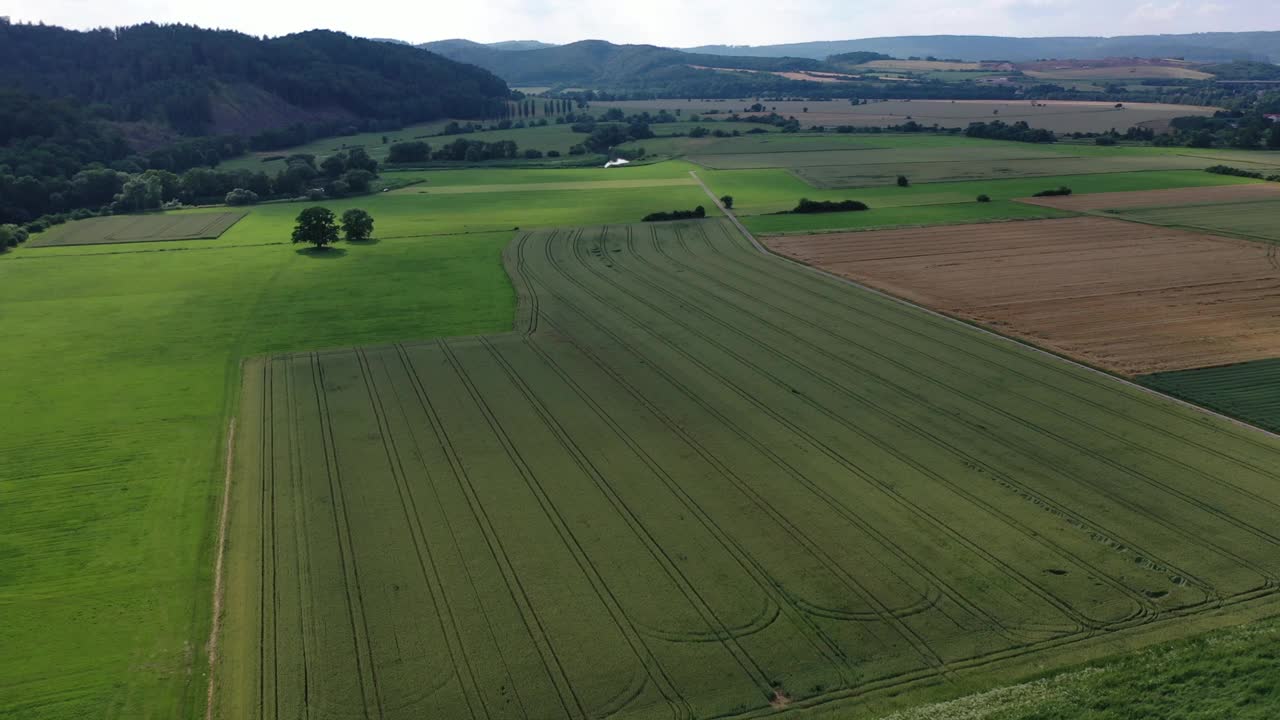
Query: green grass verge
(1226, 674)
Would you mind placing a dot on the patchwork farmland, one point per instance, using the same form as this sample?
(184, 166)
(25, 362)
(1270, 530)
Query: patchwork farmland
(1128, 297)
(703, 482)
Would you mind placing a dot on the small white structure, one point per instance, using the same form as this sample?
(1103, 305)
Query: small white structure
(617, 163)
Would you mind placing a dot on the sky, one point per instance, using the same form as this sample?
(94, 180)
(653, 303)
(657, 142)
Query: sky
(673, 23)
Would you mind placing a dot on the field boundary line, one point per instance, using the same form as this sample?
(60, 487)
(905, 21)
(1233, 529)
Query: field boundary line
(991, 333)
(215, 629)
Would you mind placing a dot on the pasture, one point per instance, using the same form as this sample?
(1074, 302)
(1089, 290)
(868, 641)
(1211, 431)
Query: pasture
(1058, 115)
(153, 227)
(759, 192)
(111, 468)
(855, 161)
(1127, 297)
(702, 482)
(1257, 220)
(1249, 391)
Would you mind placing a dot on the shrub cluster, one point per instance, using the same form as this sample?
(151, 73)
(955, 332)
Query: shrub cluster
(694, 214)
(1064, 190)
(826, 206)
(1018, 132)
(1237, 172)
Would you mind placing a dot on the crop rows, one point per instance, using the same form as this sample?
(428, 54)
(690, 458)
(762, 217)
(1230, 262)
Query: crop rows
(701, 482)
(1250, 391)
(139, 228)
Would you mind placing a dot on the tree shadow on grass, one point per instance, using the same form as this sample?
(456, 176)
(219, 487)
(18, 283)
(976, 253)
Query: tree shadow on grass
(324, 253)
(363, 243)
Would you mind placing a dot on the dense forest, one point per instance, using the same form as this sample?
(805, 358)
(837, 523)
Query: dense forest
(192, 79)
(80, 112)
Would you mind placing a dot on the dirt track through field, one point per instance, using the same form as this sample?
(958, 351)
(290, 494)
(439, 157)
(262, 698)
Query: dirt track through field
(1130, 298)
(1161, 198)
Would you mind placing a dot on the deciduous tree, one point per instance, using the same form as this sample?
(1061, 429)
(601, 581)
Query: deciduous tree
(316, 226)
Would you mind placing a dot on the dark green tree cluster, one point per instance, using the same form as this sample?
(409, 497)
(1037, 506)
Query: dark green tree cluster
(807, 206)
(318, 226)
(1018, 132)
(694, 214)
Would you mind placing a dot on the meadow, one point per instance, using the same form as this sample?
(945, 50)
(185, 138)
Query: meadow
(699, 481)
(110, 481)
(854, 161)
(1256, 220)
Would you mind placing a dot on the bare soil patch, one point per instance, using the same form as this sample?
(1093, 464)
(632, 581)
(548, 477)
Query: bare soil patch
(1160, 198)
(1127, 297)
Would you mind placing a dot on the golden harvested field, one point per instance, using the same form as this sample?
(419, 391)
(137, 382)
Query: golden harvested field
(1161, 198)
(1127, 297)
(1131, 72)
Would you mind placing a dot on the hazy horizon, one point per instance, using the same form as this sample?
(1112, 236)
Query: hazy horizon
(675, 24)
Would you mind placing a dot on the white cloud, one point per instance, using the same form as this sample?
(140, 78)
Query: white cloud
(673, 22)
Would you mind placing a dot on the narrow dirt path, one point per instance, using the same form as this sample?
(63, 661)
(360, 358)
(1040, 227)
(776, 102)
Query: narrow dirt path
(215, 629)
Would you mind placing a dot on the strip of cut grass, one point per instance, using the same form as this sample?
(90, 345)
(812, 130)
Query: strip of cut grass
(945, 214)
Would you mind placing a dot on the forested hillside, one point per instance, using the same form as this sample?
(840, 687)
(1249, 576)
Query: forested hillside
(600, 64)
(201, 81)
(82, 114)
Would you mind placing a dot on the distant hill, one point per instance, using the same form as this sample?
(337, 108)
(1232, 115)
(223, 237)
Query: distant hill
(1199, 47)
(207, 82)
(596, 63)
(520, 45)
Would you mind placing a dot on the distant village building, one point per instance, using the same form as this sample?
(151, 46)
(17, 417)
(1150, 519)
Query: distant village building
(1272, 118)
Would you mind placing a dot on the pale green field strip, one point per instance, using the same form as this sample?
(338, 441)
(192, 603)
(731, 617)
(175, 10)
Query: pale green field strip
(403, 216)
(1254, 219)
(768, 191)
(700, 480)
(542, 187)
(152, 227)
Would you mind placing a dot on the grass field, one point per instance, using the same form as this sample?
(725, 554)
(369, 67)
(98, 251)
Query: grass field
(1260, 220)
(836, 161)
(124, 368)
(704, 483)
(1059, 116)
(155, 227)
(766, 191)
(1250, 391)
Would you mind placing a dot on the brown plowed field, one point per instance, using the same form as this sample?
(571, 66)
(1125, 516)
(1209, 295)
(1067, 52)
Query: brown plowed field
(1131, 298)
(1161, 198)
